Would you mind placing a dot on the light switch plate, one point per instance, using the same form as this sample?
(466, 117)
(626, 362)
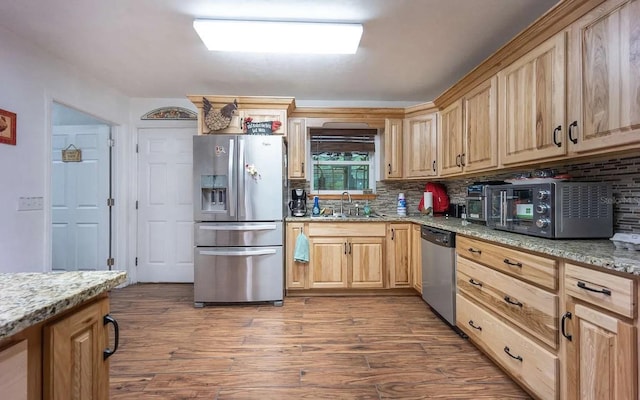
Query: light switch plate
(30, 203)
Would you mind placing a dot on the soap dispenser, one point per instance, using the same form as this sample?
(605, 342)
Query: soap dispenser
(316, 207)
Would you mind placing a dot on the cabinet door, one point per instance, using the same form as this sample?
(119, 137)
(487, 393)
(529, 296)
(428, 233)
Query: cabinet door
(74, 368)
(392, 164)
(327, 262)
(261, 115)
(420, 146)
(531, 105)
(297, 147)
(450, 139)
(14, 377)
(481, 127)
(416, 257)
(398, 259)
(601, 355)
(296, 271)
(604, 81)
(365, 262)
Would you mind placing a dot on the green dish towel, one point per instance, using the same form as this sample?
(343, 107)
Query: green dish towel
(301, 252)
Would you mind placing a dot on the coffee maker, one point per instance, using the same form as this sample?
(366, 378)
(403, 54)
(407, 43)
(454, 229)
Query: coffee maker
(298, 203)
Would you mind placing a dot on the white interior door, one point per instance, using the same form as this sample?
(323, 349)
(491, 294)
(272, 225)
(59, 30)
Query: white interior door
(79, 193)
(165, 204)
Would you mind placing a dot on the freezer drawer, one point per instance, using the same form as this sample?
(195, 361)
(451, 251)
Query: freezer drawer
(235, 275)
(239, 234)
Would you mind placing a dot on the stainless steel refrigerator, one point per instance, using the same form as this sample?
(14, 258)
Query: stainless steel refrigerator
(239, 186)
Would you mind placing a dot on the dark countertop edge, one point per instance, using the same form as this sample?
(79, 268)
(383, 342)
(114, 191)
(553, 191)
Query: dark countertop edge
(551, 247)
(61, 305)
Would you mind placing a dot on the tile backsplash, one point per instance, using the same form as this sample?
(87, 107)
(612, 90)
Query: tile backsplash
(623, 173)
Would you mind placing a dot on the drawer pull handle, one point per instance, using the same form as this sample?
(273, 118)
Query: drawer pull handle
(471, 324)
(566, 316)
(475, 282)
(506, 350)
(471, 249)
(515, 264)
(584, 286)
(514, 302)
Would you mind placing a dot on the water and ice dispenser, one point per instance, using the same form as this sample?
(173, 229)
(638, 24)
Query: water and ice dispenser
(214, 192)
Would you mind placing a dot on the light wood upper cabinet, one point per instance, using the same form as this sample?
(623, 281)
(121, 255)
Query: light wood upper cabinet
(532, 105)
(398, 255)
(480, 132)
(297, 148)
(450, 139)
(604, 77)
(420, 148)
(392, 163)
(74, 367)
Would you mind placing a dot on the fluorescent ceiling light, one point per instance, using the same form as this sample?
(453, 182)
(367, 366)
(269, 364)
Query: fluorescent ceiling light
(279, 37)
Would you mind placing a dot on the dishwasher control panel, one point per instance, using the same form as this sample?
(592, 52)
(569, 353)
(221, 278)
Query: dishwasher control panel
(438, 236)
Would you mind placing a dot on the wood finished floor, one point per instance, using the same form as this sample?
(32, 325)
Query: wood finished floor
(311, 348)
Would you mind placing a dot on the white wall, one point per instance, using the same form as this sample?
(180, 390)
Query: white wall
(30, 79)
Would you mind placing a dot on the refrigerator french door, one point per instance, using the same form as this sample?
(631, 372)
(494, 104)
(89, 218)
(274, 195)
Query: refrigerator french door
(239, 186)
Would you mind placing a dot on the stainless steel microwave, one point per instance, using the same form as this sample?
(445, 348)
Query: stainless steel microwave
(561, 209)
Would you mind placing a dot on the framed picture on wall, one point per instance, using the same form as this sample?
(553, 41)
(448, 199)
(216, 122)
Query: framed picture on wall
(7, 127)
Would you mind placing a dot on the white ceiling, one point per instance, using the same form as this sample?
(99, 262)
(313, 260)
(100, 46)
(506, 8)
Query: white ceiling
(411, 50)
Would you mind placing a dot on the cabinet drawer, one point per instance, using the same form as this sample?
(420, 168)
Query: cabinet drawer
(526, 306)
(530, 364)
(347, 229)
(529, 267)
(608, 291)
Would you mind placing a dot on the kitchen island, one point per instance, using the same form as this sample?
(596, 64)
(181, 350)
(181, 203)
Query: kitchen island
(48, 320)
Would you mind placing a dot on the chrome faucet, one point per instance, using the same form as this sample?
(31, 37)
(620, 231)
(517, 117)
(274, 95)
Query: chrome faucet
(342, 201)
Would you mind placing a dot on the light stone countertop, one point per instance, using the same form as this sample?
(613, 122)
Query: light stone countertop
(29, 298)
(600, 253)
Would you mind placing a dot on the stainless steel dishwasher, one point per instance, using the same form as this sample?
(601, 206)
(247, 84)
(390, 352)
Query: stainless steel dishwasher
(439, 272)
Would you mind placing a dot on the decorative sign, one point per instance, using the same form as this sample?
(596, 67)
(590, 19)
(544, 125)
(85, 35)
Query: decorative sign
(71, 154)
(7, 127)
(259, 128)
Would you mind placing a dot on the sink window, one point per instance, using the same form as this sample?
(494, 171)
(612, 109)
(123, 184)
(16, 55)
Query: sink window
(342, 159)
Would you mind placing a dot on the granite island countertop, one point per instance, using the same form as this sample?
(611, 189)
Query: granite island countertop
(599, 253)
(29, 298)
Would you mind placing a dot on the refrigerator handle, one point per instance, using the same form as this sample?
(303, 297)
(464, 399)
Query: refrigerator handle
(268, 227)
(238, 253)
(231, 195)
(241, 180)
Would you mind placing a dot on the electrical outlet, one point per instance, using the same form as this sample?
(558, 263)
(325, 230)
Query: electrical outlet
(30, 203)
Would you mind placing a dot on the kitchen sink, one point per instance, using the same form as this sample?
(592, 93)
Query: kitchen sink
(348, 216)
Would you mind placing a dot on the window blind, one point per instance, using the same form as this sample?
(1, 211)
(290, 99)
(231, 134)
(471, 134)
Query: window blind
(342, 140)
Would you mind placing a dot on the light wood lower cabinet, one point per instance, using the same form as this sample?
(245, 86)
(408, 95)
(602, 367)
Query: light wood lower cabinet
(296, 271)
(65, 357)
(601, 341)
(534, 367)
(398, 255)
(75, 366)
(14, 371)
(416, 257)
(341, 255)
